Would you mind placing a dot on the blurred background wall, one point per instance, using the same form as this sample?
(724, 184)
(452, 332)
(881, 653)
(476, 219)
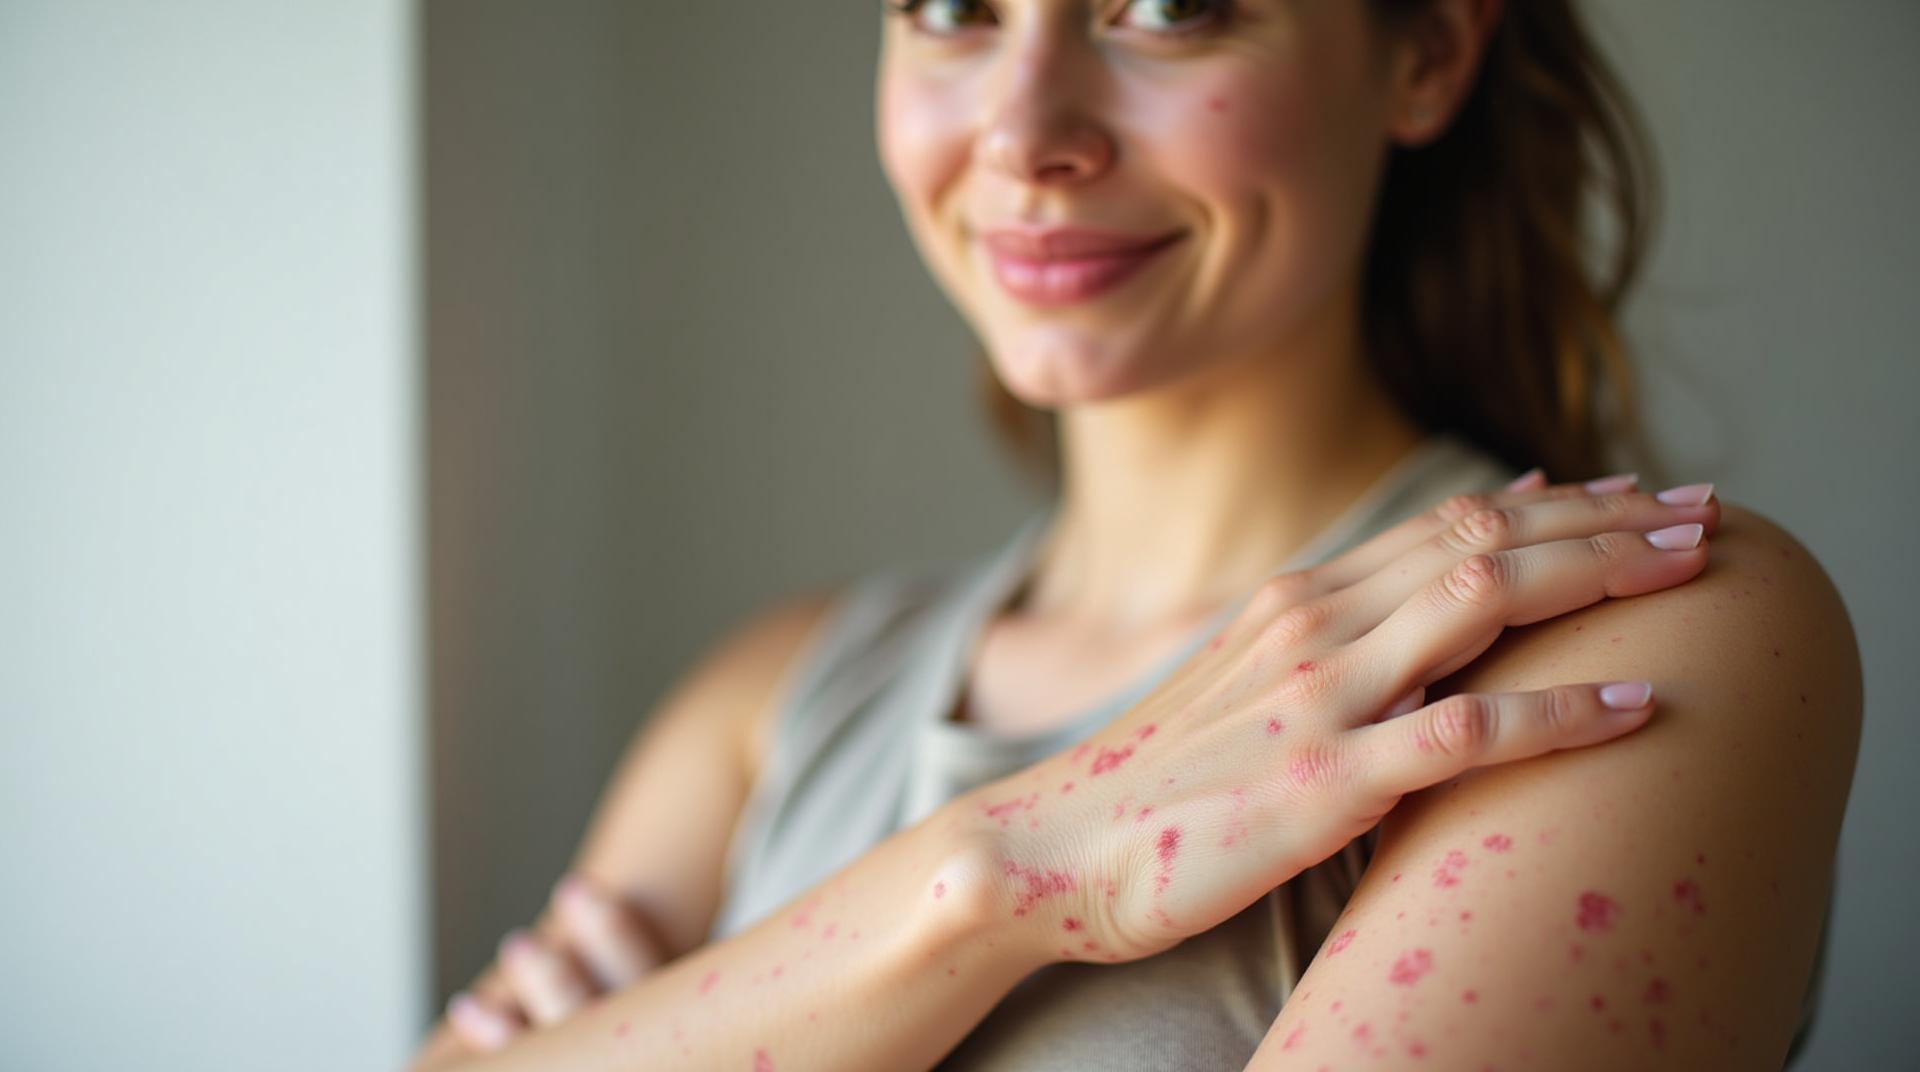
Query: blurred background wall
(678, 358)
(211, 806)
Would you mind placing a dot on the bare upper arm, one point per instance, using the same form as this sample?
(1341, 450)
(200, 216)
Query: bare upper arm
(660, 830)
(1650, 902)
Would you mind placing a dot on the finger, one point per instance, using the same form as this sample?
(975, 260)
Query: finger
(1450, 621)
(477, 1024)
(605, 935)
(545, 983)
(1480, 729)
(1362, 605)
(1370, 556)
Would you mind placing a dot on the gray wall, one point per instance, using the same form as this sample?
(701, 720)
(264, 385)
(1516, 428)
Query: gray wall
(683, 359)
(211, 814)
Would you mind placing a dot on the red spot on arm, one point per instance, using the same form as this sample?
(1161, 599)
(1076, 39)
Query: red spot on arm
(1344, 940)
(1686, 893)
(707, 983)
(1596, 911)
(1497, 842)
(1657, 992)
(761, 1062)
(1214, 644)
(1274, 726)
(1293, 1038)
(1218, 104)
(1448, 873)
(1410, 967)
(1304, 665)
(939, 890)
(1070, 924)
(1066, 787)
(1107, 759)
(1469, 996)
(1168, 846)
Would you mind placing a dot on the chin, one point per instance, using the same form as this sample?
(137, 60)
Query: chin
(1056, 373)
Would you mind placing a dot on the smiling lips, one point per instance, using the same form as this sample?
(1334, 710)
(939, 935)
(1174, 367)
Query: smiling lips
(1068, 265)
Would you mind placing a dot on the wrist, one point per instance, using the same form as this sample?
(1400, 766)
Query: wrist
(975, 903)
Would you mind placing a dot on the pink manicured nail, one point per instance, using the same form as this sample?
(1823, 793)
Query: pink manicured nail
(477, 1021)
(1687, 495)
(1609, 485)
(1677, 537)
(1532, 478)
(1626, 695)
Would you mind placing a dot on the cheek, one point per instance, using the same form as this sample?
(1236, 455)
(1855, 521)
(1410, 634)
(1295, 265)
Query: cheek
(921, 132)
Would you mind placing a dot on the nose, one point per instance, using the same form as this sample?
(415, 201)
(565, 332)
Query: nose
(1037, 128)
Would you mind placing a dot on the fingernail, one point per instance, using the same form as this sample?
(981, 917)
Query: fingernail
(1677, 537)
(1609, 485)
(1687, 495)
(477, 1020)
(1626, 695)
(1533, 477)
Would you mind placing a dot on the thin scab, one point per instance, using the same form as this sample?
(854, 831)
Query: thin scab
(1344, 940)
(1167, 847)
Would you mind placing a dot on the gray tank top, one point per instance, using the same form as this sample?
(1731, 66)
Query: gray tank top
(862, 748)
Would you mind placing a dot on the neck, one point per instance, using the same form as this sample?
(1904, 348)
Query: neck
(1178, 500)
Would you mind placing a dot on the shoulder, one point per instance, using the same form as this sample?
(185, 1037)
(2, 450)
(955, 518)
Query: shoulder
(745, 672)
(1654, 901)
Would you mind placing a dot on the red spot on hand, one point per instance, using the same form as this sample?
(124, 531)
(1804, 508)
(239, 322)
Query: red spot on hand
(1410, 967)
(1344, 940)
(1304, 665)
(939, 890)
(1107, 759)
(1070, 924)
(1168, 846)
(1274, 726)
(1687, 894)
(1596, 911)
(1037, 885)
(1497, 842)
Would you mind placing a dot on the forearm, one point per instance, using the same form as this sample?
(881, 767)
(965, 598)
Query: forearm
(889, 964)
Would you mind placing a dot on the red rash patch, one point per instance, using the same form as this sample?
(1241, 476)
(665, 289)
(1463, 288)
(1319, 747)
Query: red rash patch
(1344, 940)
(1145, 731)
(1274, 726)
(1469, 996)
(1304, 665)
(1597, 1003)
(1070, 924)
(939, 890)
(1293, 1038)
(1168, 846)
(761, 1062)
(1107, 759)
(1410, 967)
(1039, 885)
(1066, 787)
(1597, 911)
(1448, 873)
(1497, 843)
(1687, 894)
(1657, 992)
(707, 983)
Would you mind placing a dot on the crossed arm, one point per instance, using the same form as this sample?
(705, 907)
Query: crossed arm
(1652, 902)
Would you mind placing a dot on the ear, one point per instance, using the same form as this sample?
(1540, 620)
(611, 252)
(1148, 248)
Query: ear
(1437, 61)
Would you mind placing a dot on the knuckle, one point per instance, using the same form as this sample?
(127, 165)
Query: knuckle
(1461, 725)
(1297, 623)
(1455, 507)
(1306, 684)
(1606, 548)
(1314, 768)
(1560, 711)
(1481, 530)
(1478, 580)
(1610, 507)
(1279, 592)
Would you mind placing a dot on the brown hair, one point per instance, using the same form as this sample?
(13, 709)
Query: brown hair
(1482, 315)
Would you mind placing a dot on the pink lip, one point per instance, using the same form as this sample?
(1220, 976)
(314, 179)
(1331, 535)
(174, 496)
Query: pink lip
(1068, 265)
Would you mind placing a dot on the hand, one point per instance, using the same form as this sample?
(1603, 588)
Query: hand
(604, 945)
(1302, 723)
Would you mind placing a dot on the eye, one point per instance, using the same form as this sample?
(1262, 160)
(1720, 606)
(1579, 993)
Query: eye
(1171, 15)
(945, 19)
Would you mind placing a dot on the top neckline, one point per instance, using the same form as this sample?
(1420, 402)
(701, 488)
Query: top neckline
(999, 576)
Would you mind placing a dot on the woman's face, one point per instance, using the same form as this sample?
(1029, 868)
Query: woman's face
(1248, 133)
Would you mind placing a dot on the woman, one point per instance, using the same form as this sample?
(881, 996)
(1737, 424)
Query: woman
(1298, 283)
